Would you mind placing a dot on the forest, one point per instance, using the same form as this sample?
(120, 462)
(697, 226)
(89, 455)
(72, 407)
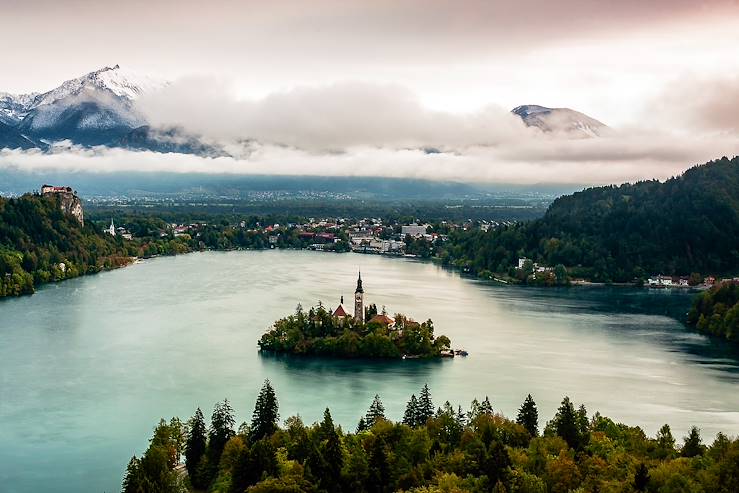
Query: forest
(716, 311)
(318, 332)
(39, 243)
(431, 449)
(687, 224)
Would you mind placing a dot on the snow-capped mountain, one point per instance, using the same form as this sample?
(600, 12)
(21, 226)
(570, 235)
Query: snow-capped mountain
(96, 108)
(561, 121)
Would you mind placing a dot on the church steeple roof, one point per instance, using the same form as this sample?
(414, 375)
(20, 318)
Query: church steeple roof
(359, 284)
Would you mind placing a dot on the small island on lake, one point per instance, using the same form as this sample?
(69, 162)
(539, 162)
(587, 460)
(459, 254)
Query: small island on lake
(365, 334)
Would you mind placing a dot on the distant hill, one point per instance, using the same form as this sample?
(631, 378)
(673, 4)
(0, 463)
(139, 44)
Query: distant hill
(687, 224)
(561, 121)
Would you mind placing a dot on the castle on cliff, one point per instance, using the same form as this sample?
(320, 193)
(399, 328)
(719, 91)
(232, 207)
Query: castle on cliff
(68, 201)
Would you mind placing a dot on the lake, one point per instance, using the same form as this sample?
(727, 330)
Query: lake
(88, 366)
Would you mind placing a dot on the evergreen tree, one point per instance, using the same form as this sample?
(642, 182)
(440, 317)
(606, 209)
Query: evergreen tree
(461, 418)
(528, 416)
(195, 445)
(375, 413)
(326, 428)
(133, 481)
(665, 442)
(222, 423)
(379, 469)
(693, 445)
(641, 478)
(333, 455)
(566, 424)
(265, 416)
(486, 407)
(474, 411)
(425, 406)
(362, 425)
(410, 417)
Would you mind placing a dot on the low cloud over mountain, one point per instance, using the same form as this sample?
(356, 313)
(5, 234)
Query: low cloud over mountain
(110, 120)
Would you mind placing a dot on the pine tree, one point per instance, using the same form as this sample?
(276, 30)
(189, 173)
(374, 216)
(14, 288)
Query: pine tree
(265, 416)
(333, 455)
(326, 428)
(132, 481)
(474, 411)
(362, 425)
(222, 423)
(375, 413)
(665, 442)
(379, 469)
(693, 445)
(528, 416)
(425, 406)
(566, 423)
(411, 412)
(486, 407)
(195, 446)
(641, 478)
(461, 418)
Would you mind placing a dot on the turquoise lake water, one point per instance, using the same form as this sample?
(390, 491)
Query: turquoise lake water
(89, 366)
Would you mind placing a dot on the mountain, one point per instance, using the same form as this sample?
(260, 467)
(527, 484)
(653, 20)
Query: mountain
(94, 109)
(11, 138)
(686, 224)
(560, 121)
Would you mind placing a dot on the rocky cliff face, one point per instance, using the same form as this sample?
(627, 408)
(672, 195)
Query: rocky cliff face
(72, 205)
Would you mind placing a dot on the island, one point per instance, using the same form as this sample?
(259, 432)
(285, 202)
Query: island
(365, 334)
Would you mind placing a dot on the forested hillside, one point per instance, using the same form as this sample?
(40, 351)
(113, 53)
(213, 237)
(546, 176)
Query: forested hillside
(39, 243)
(433, 450)
(716, 311)
(687, 224)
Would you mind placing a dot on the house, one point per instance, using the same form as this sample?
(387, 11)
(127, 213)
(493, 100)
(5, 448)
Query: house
(413, 229)
(383, 319)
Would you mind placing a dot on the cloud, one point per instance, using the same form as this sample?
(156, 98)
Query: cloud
(698, 104)
(324, 118)
(362, 129)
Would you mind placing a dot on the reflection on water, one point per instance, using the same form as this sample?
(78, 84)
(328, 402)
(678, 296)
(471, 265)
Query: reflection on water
(89, 366)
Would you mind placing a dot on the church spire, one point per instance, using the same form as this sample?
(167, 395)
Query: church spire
(359, 284)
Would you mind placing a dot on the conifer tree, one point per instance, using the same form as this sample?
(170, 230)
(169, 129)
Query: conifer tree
(461, 418)
(362, 425)
(474, 411)
(133, 481)
(641, 478)
(265, 416)
(375, 412)
(528, 416)
(333, 455)
(222, 423)
(665, 441)
(693, 445)
(195, 445)
(410, 417)
(486, 407)
(425, 406)
(566, 423)
(326, 428)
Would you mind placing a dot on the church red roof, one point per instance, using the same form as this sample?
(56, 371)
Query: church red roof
(340, 312)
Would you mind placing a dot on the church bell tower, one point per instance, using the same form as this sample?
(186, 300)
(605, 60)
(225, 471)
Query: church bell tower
(359, 300)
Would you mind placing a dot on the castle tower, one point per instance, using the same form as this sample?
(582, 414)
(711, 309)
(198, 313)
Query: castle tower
(359, 300)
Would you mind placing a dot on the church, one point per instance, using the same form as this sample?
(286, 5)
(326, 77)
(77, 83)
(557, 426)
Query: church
(359, 315)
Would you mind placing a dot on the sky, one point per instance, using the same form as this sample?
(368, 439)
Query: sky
(663, 73)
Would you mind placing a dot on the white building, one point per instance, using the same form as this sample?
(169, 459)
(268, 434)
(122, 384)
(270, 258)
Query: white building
(414, 229)
(111, 228)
